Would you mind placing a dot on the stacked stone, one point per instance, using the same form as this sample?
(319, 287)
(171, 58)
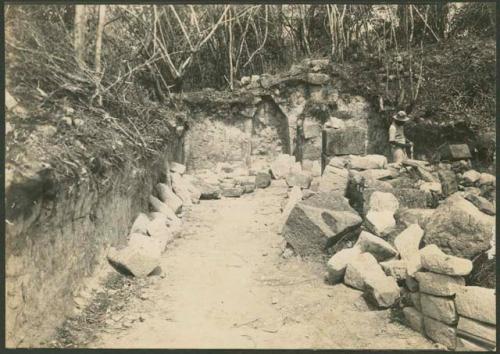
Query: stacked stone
(444, 309)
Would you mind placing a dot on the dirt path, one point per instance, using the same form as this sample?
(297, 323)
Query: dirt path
(226, 286)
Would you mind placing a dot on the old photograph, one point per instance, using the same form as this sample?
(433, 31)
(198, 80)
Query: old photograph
(250, 176)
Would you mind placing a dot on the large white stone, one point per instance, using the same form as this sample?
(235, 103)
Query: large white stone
(477, 303)
(435, 260)
(407, 243)
(378, 247)
(338, 263)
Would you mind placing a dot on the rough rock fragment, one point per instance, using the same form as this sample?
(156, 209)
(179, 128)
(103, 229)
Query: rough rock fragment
(384, 291)
(367, 162)
(380, 222)
(414, 319)
(140, 225)
(477, 330)
(262, 179)
(338, 263)
(282, 165)
(437, 261)
(300, 179)
(177, 168)
(334, 179)
(440, 332)
(360, 268)
(396, 268)
(379, 248)
(449, 182)
(407, 243)
(438, 284)
(408, 217)
(158, 206)
(481, 203)
(477, 303)
(439, 308)
(167, 196)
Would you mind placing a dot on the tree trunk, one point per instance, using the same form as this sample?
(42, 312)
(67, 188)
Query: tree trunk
(98, 42)
(79, 33)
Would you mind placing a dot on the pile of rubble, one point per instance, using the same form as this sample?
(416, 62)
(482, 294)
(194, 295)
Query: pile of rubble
(374, 219)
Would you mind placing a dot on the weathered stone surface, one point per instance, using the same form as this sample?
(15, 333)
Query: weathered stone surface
(438, 284)
(299, 179)
(449, 182)
(161, 207)
(157, 229)
(437, 261)
(338, 263)
(140, 257)
(408, 216)
(429, 187)
(384, 291)
(464, 345)
(439, 308)
(140, 225)
(459, 228)
(262, 179)
(234, 192)
(180, 188)
(415, 300)
(318, 222)
(477, 330)
(414, 319)
(455, 152)
(348, 141)
(477, 303)
(382, 201)
(191, 183)
(167, 196)
(282, 165)
(177, 168)
(482, 203)
(376, 174)
(411, 283)
(440, 332)
(380, 222)
(411, 198)
(360, 268)
(487, 179)
(367, 162)
(471, 177)
(294, 196)
(379, 248)
(396, 268)
(312, 129)
(425, 175)
(334, 179)
(407, 243)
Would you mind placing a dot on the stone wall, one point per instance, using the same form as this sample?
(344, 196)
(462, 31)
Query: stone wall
(284, 113)
(60, 241)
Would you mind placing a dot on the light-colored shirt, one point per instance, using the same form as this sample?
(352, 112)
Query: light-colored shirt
(397, 134)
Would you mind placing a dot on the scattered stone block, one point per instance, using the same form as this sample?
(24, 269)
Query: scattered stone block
(367, 162)
(317, 78)
(360, 268)
(379, 248)
(234, 192)
(438, 284)
(348, 141)
(470, 177)
(376, 174)
(384, 291)
(338, 263)
(140, 225)
(477, 303)
(262, 179)
(319, 222)
(437, 261)
(180, 188)
(478, 331)
(312, 129)
(396, 268)
(282, 165)
(454, 152)
(481, 203)
(190, 183)
(440, 332)
(431, 187)
(459, 228)
(412, 198)
(140, 257)
(294, 196)
(382, 201)
(300, 179)
(380, 222)
(449, 182)
(158, 230)
(487, 179)
(407, 244)
(414, 319)
(167, 196)
(418, 216)
(160, 207)
(334, 179)
(176, 167)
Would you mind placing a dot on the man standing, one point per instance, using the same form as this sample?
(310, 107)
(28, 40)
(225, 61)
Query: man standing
(397, 138)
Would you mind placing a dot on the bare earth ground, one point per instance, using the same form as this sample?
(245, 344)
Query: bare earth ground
(226, 286)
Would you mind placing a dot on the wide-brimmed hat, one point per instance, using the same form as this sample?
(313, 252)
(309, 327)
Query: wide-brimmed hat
(401, 116)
